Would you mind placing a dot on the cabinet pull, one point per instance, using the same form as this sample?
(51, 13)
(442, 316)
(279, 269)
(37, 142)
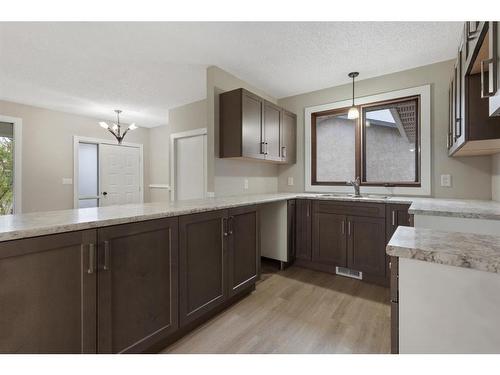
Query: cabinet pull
(486, 91)
(343, 226)
(106, 256)
(283, 151)
(91, 268)
(263, 148)
(307, 209)
(393, 218)
(349, 228)
(224, 226)
(267, 149)
(230, 225)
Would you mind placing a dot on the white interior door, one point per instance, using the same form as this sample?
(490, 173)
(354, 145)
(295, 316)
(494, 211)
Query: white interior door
(120, 174)
(190, 167)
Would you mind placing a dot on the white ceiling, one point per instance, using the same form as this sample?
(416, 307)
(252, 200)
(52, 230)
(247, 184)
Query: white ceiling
(147, 68)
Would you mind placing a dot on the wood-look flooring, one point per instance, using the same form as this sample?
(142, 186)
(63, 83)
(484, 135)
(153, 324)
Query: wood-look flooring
(298, 311)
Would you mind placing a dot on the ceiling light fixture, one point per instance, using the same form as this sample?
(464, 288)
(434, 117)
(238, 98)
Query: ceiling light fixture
(353, 113)
(115, 129)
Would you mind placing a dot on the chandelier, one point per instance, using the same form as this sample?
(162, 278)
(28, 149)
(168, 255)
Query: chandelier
(116, 129)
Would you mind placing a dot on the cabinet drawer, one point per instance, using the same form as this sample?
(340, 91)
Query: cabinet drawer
(350, 208)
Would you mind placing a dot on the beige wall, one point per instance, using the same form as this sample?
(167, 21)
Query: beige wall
(471, 176)
(47, 153)
(495, 177)
(225, 176)
(187, 117)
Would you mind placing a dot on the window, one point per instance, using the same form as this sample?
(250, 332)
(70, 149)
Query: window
(381, 147)
(6, 168)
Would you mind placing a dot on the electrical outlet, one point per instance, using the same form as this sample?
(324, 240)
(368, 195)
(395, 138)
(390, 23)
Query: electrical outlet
(290, 181)
(446, 180)
(246, 183)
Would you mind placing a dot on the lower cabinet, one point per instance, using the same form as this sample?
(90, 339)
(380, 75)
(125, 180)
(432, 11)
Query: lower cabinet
(219, 257)
(366, 245)
(48, 294)
(343, 234)
(303, 222)
(137, 285)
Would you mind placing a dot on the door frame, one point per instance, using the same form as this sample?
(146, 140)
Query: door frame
(18, 153)
(80, 139)
(187, 134)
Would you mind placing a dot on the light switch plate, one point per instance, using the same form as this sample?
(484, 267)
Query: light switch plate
(246, 183)
(290, 181)
(446, 180)
(67, 181)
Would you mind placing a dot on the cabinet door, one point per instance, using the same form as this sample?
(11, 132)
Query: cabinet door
(459, 97)
(137, 285)
(272, 117)
(252, 130)
(329, 238)
(288, 137)
(366, 244)
(450, 117)
(48, 294)
(202, 263)
(243, 254)
(396, 215)
(291, 229)
(303, 249)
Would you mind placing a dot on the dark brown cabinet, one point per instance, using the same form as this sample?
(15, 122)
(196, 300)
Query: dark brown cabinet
(342, 234)
(288, 137)
(252, 127)
(474, 81)
(137, 285)
(202, 259)
(329, 242)
(48, 294)
(218, 258)
(366, 245)
(303, 229)
(243, 250)
(291, 231)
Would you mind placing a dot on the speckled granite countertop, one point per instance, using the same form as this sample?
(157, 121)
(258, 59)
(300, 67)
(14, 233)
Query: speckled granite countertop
(476, 251)
(466, 208)
(43, 223)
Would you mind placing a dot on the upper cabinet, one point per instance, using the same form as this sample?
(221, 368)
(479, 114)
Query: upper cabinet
(473, 86)
(251, 127)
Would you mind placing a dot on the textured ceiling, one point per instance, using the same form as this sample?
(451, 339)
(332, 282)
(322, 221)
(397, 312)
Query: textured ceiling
(147, 68)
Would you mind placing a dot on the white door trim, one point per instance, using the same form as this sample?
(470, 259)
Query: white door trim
(186, 134)
(18, 154)
(77, 139)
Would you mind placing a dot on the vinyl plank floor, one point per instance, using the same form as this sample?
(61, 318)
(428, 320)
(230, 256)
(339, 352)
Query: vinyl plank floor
(298, 311)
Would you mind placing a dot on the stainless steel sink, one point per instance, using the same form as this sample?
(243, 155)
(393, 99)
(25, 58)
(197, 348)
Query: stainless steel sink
(352, 196)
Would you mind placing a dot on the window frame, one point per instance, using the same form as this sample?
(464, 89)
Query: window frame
(362, 144)
(426, 142)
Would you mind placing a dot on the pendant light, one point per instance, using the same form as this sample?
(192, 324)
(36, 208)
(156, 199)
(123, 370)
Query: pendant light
(353, 113)
(116, 129)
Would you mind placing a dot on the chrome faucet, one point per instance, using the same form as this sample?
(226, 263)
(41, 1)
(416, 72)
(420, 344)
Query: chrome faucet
(355, 185)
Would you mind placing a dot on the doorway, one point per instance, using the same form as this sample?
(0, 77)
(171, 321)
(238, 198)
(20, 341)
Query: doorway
(188, 165)
(107, 174)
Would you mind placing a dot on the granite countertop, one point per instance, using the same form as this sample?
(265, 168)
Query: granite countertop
(43, 223)
(465, 208)
(476, 251)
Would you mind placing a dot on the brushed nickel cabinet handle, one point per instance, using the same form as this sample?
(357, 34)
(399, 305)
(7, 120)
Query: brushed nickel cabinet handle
(230, 225)
(91, 268)
(343, 226)
(106, 255)
(283, 151)
(486, 91)
(263, 148)
(224, 226)
(349, 228)
(393, 218)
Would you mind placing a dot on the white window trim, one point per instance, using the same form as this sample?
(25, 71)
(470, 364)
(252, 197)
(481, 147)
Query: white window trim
(18, 153)
(186, 134)
(77, 139)
(425, 143)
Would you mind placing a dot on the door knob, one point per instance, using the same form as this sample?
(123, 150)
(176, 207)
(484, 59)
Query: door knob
(104, 193)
